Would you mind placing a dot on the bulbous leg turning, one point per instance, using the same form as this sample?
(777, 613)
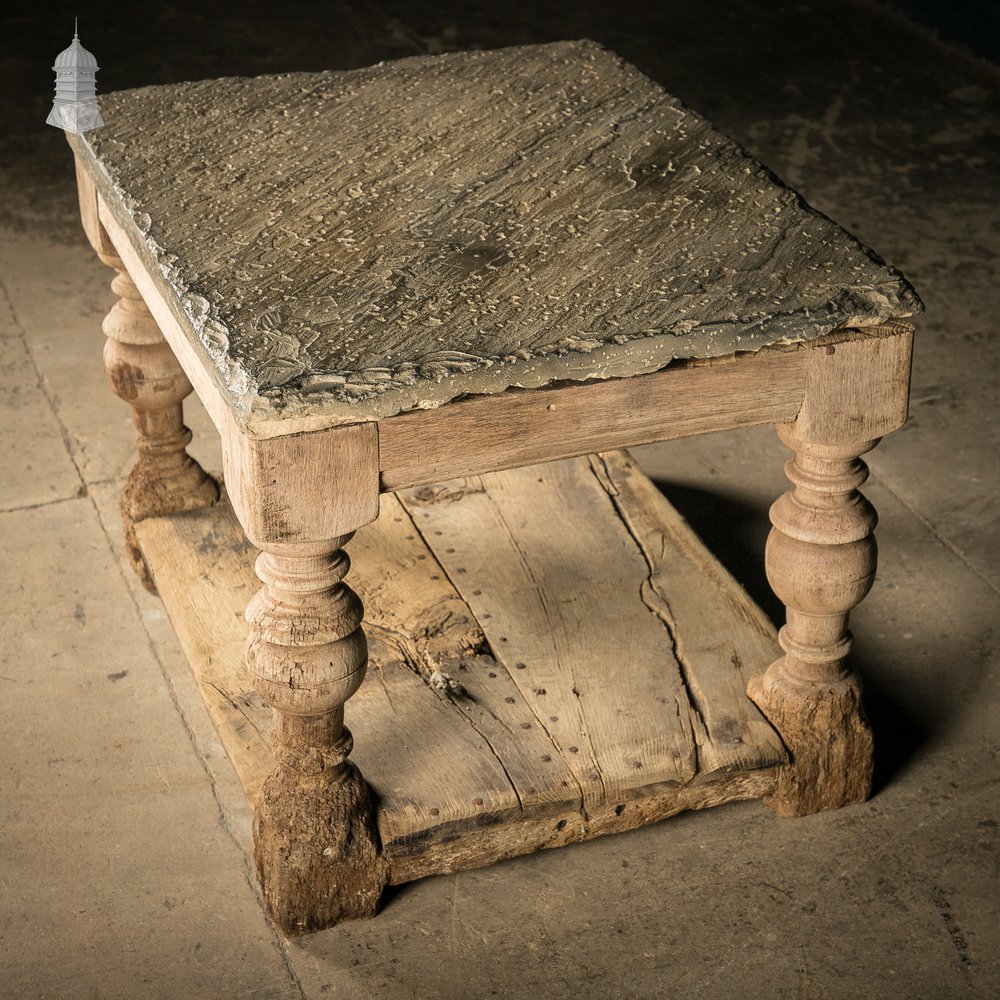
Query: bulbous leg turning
(143, 371)
(315, 839)
(821, 559)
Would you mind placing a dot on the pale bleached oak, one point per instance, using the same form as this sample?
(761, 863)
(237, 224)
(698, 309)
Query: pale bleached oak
(481, 277)
(142, 370)
(343, 466)
(821, 558)
(316, 846)
(483, 736)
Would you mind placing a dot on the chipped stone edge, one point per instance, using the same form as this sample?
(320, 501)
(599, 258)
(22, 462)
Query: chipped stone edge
(385, 392)
(190, 309)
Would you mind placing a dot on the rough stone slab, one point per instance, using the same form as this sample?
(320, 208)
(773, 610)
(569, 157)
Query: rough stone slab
(356, 244)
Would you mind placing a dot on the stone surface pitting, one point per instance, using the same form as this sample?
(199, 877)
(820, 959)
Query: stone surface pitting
(354, 244)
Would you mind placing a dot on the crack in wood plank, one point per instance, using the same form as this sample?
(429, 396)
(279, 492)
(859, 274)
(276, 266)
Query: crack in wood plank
(634, 733)
(738, 736)
(431, 496)
(660, 606)
(381, 680)
(241, 705)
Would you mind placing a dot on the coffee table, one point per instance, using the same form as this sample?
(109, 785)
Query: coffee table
(426, 302)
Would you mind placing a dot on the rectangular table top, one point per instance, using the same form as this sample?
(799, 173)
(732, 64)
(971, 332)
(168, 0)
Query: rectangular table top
(350, 245)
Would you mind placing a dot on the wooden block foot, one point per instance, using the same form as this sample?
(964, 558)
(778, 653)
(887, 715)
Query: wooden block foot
(149, 494)
(829, 739)
(317, 849)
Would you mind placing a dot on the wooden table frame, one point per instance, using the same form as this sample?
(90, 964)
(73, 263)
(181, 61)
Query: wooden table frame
(300, 496)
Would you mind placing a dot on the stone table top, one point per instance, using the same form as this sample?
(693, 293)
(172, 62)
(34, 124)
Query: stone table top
(344, 246)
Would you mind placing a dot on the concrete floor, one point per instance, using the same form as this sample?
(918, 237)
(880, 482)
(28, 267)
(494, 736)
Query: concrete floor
(123, 832)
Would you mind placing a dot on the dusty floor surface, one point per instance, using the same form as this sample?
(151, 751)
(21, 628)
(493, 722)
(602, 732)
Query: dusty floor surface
(123, 834)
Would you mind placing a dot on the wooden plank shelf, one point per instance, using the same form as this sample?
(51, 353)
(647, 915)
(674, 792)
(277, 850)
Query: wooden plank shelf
(553, 656)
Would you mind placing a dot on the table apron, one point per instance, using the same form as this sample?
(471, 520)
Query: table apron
(480, 434)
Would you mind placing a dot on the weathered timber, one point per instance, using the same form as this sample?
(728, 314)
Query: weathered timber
(821, 558)
(523, 427)
(142, 370)
(316, 845)
(472, 739)
(341, 247)
(459, 266)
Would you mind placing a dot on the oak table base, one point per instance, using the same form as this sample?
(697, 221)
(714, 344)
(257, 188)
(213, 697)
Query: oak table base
(534, 730)
(552, 654)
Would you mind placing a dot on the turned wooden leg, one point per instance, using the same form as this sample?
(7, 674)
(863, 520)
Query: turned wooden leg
(315, 839)
(143, 371)
(821, 560)
(299, 499)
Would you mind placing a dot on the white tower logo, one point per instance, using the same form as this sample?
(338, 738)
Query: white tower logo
(75, 107)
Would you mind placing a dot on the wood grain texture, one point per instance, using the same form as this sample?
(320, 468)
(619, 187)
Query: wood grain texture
(142, 371)
(690, 592)
(858, 390)
(821, 558)
(419, 618)
(302, 487)
(559, 609)
(471, 756)
(518, 427)
(345, 246)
